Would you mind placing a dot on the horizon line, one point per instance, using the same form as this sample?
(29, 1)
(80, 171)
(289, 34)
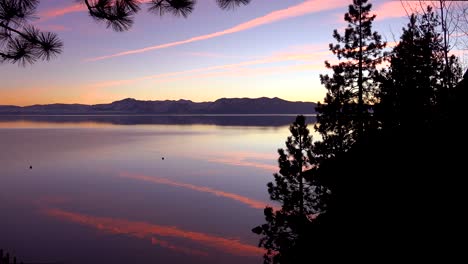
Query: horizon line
(159, 100)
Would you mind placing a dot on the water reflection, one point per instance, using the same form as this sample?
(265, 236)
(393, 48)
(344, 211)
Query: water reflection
(101, 187)
(92, 120)
(239, 198)
(149, 231)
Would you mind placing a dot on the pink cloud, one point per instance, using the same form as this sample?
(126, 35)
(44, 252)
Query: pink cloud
(176, 248)
(244, 161)
(390, 9)
(457, 52)
(61, 11)
(144, 230)
(396, 9)
(307, 7)
(56, 12)
(236, 197)
(210, 55)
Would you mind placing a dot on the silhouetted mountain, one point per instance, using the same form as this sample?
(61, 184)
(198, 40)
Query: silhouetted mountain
(261, 105)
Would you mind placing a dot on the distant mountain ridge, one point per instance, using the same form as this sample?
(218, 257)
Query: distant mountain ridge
(262, 105)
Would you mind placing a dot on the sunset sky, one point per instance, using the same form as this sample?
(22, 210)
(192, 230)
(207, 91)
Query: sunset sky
(273, 48)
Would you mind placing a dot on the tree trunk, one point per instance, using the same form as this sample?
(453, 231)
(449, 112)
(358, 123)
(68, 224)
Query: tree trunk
(301, 184)
(448, 71)
(360, 91)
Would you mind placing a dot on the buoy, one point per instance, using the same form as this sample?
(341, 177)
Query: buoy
(162, 158)
(30, 167)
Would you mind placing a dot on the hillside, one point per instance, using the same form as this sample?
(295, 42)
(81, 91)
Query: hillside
(261, 105)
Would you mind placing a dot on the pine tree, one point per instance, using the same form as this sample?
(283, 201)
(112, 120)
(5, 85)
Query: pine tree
(346, 112)
(21, 42)
(284, 234)
(416, 92)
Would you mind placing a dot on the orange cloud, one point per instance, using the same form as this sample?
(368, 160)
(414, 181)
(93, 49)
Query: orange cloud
(236, 197)
(145, 230)
(307, 7)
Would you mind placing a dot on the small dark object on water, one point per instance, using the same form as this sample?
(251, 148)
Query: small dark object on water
(162, 158)
(30, 167)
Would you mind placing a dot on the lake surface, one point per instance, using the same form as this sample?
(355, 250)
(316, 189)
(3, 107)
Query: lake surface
(99, 190)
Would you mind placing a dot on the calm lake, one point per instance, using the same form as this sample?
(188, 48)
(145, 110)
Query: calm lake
(136, 189)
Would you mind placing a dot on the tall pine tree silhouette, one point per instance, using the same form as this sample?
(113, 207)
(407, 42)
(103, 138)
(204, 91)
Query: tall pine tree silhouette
(352, 88)
(285, 230)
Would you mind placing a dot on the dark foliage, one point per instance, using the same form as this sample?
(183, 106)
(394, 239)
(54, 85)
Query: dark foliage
(397, 194)
(415, 92)
(177, 8)
(20, 42)
(6, 259)
(396, 188)
(119, 14)
(229, 4)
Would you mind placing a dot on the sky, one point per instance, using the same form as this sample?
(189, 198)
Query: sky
(271, 48)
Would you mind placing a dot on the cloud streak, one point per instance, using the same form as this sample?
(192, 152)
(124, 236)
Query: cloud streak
(307, 55)
(396, 9)
(307, 7)
(175, 248)
(236, 197)
(61, 11)
(248, 72)
(244, 163)
(144, 230)
(245, 159)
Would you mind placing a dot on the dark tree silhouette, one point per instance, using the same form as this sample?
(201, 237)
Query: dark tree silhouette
(415, 90)
(7, 260)
(352, 88)
(300, 197)
(452, 28)
(22, 43)
(396, 192)
(386, 187)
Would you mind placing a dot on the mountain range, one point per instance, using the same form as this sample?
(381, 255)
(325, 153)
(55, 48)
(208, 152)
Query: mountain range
(261, 105)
